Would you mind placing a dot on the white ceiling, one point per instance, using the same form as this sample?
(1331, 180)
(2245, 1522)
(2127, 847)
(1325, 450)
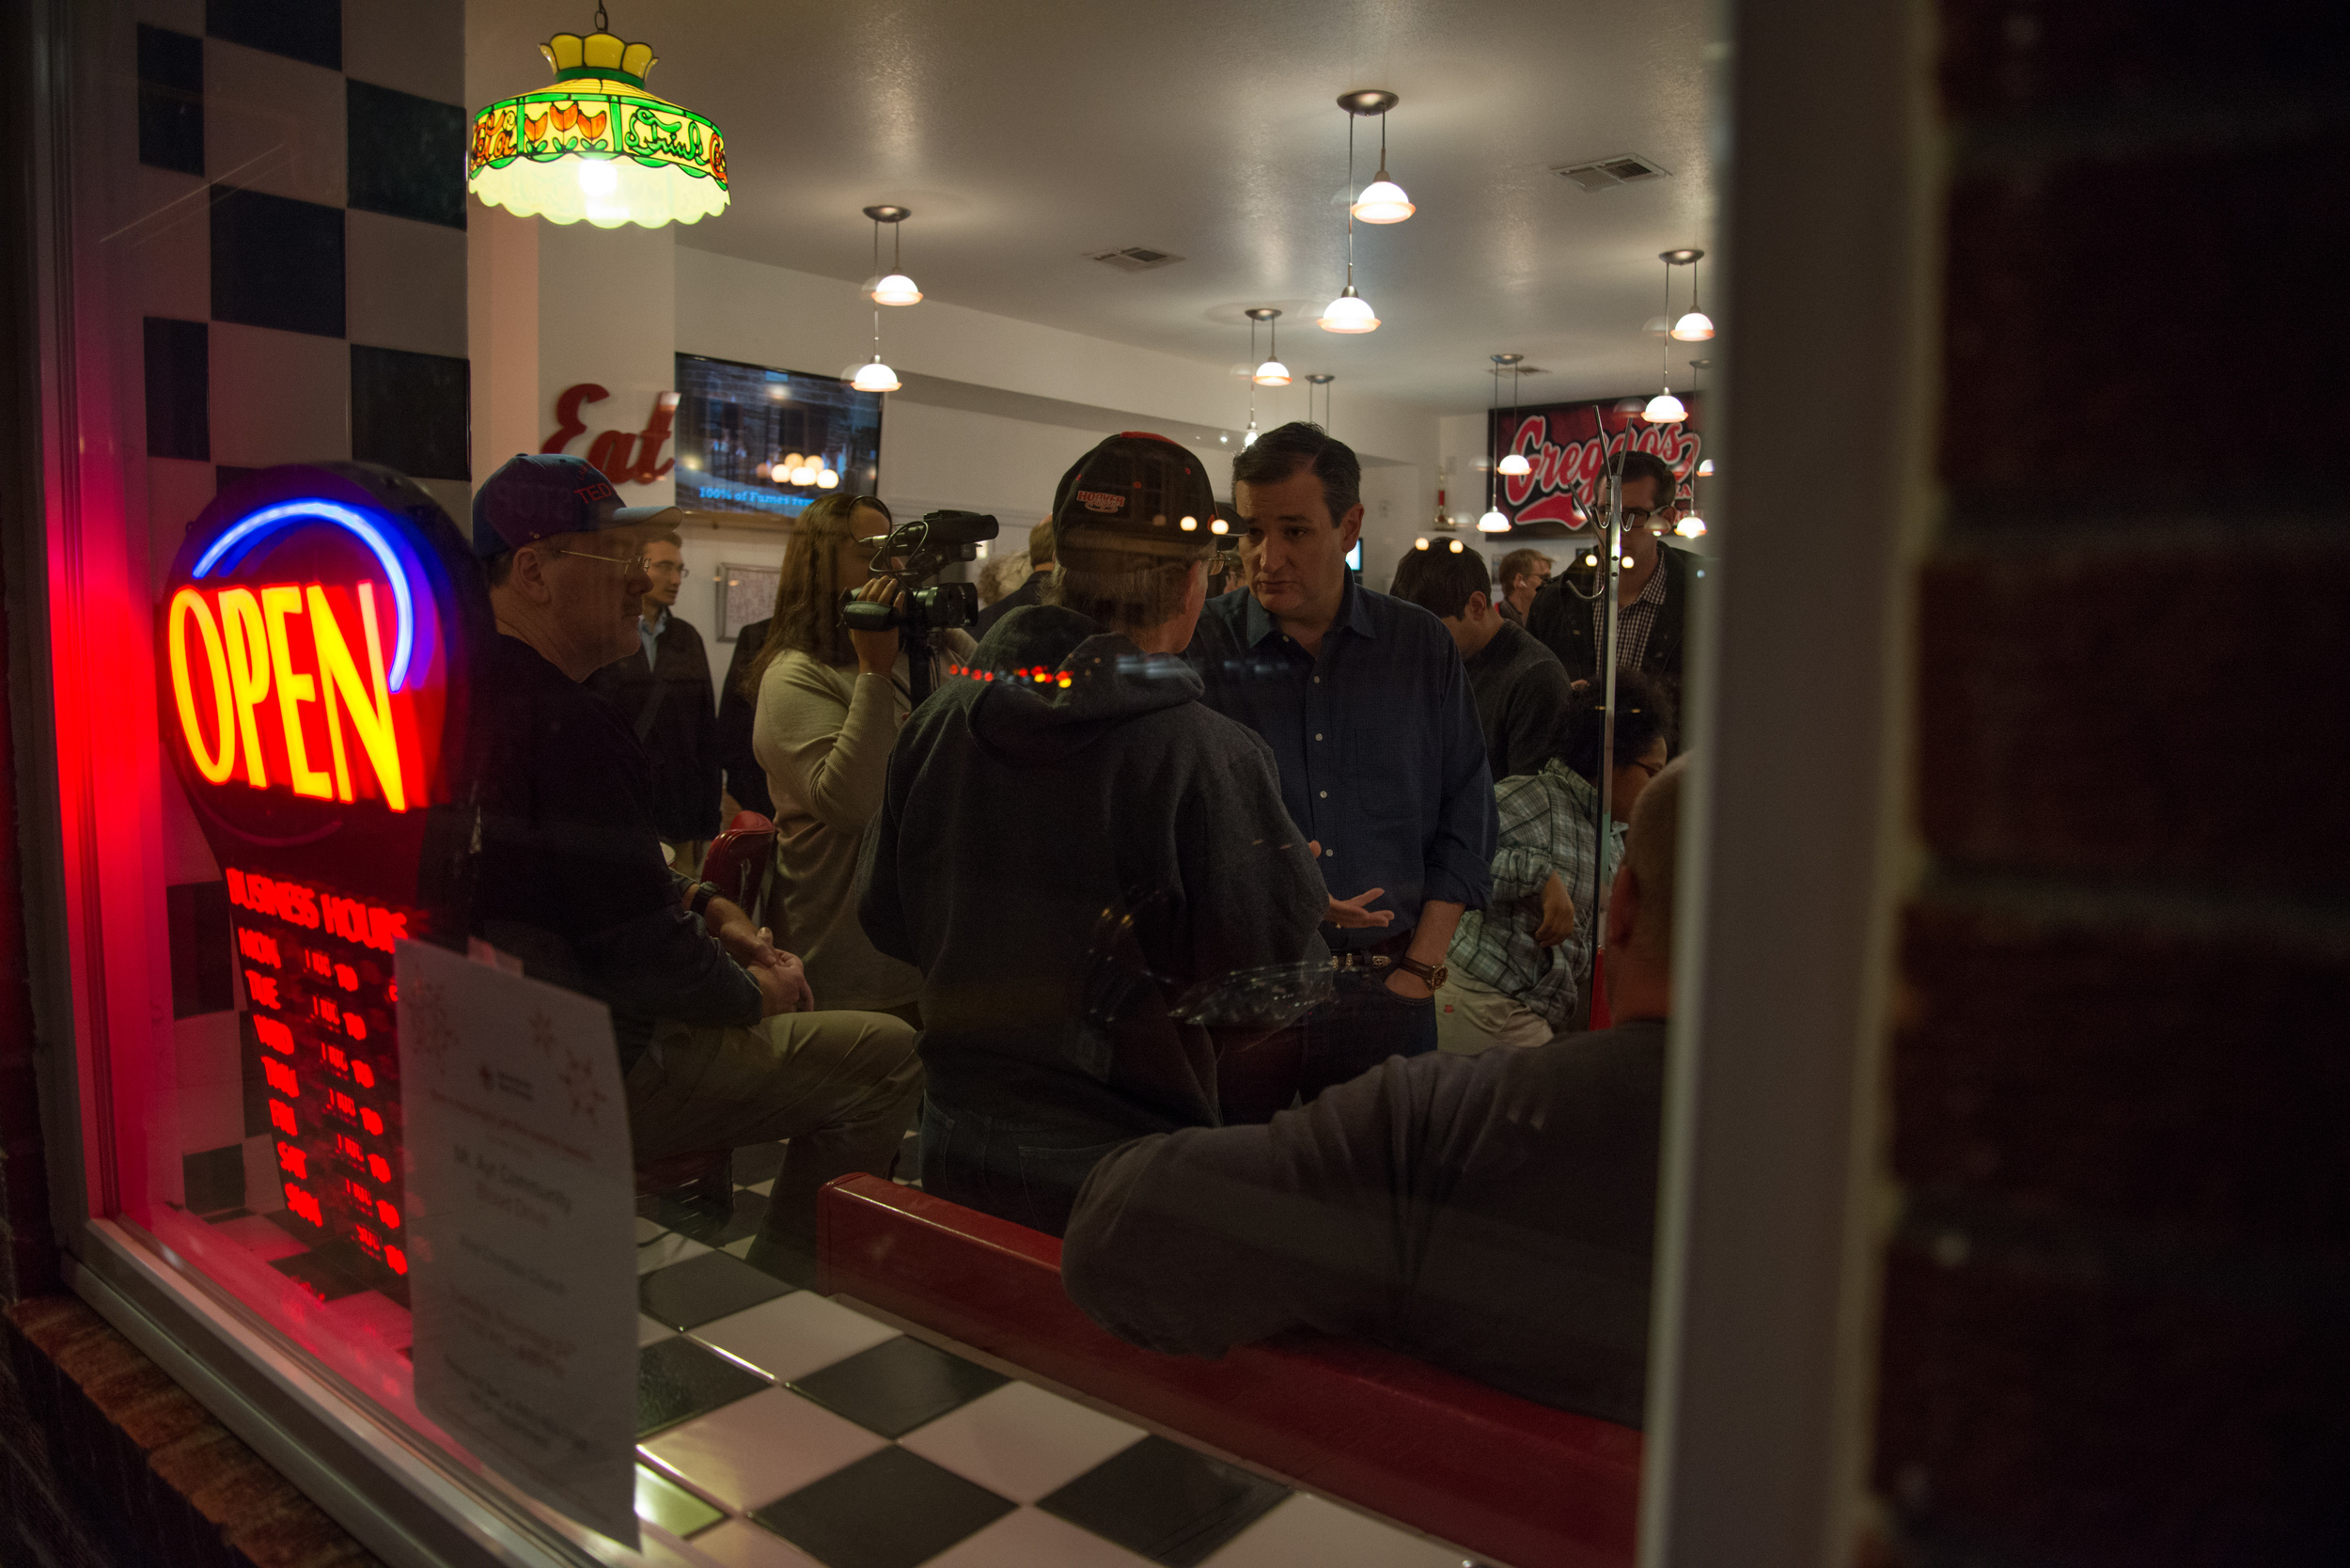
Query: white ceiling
(1025, 134)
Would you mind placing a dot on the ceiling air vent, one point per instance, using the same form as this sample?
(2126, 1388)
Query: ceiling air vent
(1135, 259)
(1607, 173)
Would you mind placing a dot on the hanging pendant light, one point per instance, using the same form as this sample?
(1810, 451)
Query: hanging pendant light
(1513, 466)
(1696, 327)
(875, 375)
(1664, 408)
(895, 287)
(1382, 200)
(1272, 372)
(596, 145)
(1493, 522)
(1321, 380)
(1349, 312)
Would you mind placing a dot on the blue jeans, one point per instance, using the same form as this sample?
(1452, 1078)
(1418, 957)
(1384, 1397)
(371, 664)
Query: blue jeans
(1025, 1169)
(1362, 1026)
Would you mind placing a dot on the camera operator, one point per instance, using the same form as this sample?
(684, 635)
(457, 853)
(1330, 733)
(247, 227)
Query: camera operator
(829, 703)
(1166, 832)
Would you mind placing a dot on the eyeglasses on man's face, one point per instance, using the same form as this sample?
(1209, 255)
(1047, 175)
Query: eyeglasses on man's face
(631, 566)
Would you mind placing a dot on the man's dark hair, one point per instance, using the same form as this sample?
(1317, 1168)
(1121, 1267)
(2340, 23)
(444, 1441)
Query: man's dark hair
(1644, 711)
(1439, 576)
(1280, 452)
(1644, 465)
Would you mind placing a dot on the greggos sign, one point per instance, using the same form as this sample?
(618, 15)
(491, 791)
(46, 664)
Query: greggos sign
(1566, 446)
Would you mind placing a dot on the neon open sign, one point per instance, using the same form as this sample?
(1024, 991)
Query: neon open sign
(299, 645)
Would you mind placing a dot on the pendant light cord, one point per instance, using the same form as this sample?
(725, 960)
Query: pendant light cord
(603, 24)
(1493, 406)
(1665, 355)
(1350, 196)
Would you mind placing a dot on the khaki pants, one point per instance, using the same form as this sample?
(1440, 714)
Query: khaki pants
(844, 1088)
(1470, 1019)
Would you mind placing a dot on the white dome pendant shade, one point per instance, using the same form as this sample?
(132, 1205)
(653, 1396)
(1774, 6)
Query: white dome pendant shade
(1512, 464)
(1493, 523)
(1382, 200)
(1664, 409)
(875, 377)
(1696, 327)
(1349, 313)
(1271, 371)
(596, 147)
(893, 286)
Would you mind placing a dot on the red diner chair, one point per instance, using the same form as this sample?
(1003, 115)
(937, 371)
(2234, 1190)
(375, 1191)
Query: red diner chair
(742, 863)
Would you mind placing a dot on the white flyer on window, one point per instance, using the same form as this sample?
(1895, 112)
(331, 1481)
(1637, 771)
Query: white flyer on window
(521, 1207)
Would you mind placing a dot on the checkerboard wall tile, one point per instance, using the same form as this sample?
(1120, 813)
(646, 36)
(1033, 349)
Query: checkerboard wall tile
(268, 153)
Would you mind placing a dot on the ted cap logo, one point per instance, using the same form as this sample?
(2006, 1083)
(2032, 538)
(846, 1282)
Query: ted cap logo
(596, 492)
(1096, 500)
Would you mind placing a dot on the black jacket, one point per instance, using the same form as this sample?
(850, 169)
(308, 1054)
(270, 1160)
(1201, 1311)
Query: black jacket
(1063, 862)
(1561, 618)
(1492, 1214)
(745, 779)
(1028, 592)
(680, 733)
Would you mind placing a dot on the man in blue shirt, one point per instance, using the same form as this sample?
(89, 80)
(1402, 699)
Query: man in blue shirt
(1365, 703)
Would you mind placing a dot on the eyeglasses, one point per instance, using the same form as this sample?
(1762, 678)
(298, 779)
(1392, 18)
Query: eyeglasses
(1652, 769)
(633, 566)
(1225, 562)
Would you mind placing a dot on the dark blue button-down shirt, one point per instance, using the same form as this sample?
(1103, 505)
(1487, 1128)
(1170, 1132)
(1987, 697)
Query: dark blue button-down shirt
(1381, 758)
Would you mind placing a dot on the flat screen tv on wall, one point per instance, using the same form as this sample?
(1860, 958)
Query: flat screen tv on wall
(750, 439)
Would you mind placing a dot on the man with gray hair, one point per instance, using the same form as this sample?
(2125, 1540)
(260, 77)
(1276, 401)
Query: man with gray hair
(1059, 978)
(1494, 1213)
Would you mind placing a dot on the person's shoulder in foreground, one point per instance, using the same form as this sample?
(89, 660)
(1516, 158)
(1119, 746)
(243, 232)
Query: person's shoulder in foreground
(1491, 1214)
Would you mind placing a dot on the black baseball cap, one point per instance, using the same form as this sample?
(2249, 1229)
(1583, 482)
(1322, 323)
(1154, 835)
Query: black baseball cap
(536, 494)
(1136, 489)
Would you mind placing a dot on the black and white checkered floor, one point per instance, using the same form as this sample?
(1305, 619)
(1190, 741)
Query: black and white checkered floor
(778, 1429)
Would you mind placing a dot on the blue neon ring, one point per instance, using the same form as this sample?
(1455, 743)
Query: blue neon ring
(271, 518)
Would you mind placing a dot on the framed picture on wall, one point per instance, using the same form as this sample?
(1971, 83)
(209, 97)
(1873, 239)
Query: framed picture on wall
(745, 594)
(751, 439)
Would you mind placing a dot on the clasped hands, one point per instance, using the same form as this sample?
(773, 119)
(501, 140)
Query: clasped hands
(1355, 914)
(782, 980)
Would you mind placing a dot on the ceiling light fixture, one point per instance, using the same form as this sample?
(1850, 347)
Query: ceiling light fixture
(1493, 522)
(1349, 312)
(1664, 408)
(1382, 200)
(1323, 381)
(1513, 466)
(597, 145)
(1697, 326)
(1272, 372)
(895, 287)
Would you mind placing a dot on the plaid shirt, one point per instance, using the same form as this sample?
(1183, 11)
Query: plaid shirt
(1633, 621)
(1545, 827)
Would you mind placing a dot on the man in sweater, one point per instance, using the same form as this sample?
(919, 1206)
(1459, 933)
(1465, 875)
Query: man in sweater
(1523, 573)
(662, 688)
(1519, 686)
(1495, 1213)
(719, 1046)
(1112, 983)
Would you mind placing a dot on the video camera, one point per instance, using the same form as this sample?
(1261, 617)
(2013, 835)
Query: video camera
(922, 547)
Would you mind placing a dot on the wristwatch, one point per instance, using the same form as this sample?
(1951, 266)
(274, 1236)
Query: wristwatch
(1432, 975)
(703, 893)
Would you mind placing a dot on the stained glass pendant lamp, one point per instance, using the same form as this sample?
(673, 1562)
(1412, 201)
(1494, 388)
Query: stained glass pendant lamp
(1512, 464)
(596, 147)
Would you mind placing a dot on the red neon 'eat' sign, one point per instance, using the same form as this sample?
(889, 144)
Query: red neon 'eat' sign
(287, 676)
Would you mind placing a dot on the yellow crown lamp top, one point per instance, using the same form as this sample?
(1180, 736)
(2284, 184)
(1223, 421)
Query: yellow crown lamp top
(600, 55)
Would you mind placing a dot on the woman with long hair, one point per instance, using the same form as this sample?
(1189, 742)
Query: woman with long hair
(828, 703)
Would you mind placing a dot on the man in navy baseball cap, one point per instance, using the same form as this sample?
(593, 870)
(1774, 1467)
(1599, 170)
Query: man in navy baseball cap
(539, 495)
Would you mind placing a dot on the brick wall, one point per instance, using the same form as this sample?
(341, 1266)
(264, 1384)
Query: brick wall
(2114, 1310)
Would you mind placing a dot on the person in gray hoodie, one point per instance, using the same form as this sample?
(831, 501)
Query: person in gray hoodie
(1110, 907)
